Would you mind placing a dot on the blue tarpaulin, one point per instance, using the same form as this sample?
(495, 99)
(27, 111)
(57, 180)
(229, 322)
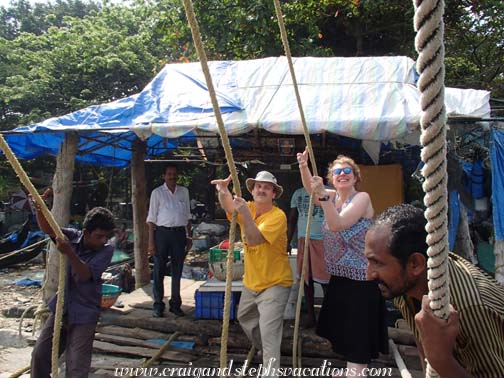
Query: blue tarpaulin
(497, 160)
(454, 218)
(97, 148)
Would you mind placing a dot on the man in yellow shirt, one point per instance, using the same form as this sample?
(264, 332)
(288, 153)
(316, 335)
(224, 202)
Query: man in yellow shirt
(268, 275)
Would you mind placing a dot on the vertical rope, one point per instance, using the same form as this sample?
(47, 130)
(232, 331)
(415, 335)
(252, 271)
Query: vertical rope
(23, 177)
(191, 18)
(285, 42)
(429, 26)
(248, 360)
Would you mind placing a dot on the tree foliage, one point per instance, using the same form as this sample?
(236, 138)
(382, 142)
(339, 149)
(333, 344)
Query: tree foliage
(475, 44)
(22, 17)
(62, 56)
(97, 58)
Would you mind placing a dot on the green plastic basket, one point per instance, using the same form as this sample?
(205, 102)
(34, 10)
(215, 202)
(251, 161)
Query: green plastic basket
(110, 293)
(217, 254)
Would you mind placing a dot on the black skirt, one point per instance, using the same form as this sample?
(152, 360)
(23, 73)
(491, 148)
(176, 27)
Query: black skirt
(352, 318)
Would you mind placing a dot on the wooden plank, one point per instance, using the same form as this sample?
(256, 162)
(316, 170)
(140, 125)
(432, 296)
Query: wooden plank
(145, 334)
(402, 324)
(408, 350)
(121, 340)
(311, 346)
(401, 336)
(137, 333)
(212, 328)
(398, 359)
(138, 351)
(169, 324)
(107, 361)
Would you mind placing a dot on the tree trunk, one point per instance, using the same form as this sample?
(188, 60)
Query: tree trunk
(62, 187)
(139, 204)
(499, 261)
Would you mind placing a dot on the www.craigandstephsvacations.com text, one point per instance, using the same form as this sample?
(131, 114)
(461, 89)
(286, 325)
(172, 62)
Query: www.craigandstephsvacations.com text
(242, 370)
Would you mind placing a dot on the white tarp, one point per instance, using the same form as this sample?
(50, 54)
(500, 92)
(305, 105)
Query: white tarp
(369, 98)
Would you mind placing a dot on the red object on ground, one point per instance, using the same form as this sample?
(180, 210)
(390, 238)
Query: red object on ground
(224, 245)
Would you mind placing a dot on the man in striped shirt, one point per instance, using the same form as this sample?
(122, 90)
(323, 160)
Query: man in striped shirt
(470, 343)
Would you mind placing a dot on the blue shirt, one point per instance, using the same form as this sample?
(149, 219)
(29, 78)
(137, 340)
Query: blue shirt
(301, 200)
(83, 299)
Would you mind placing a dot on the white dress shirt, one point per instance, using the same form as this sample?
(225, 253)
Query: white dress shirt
(169, 209)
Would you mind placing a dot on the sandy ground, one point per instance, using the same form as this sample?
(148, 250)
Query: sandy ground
(14, 350)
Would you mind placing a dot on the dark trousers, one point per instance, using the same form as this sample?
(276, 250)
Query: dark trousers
(76, 340)
(170, 244)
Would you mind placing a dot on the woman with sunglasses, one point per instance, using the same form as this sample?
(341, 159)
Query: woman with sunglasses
(352, 316)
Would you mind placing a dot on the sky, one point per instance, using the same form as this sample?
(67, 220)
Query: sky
(5, 3)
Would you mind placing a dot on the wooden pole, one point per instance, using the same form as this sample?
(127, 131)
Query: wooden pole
(139, 204)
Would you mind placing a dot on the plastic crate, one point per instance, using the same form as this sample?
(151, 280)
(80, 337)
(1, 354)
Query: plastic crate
(217, 254)
(210, 304)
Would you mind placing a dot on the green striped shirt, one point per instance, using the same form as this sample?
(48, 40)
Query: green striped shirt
(480, 301)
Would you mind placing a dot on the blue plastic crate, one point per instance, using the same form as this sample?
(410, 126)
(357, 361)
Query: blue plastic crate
(210, 305)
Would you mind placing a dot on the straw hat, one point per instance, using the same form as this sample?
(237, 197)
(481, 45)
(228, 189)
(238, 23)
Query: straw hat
(264, 176)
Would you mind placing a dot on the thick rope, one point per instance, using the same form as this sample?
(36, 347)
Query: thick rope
(21, 319)
(248, 359)
(20, 372)
(191, 18)
(23, 177)
(285, 41)
(429, 26)
(41, 314)
(300, 353)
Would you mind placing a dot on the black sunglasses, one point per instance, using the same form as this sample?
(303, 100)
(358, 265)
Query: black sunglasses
(346, 171)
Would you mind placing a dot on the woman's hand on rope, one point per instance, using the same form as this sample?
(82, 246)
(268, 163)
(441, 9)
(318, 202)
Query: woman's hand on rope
(317, 186)
(221, 185)
(302, 158)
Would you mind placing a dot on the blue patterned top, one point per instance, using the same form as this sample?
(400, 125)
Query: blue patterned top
(344, 250)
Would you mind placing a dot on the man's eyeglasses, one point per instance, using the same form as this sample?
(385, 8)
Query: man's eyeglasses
(346, 171)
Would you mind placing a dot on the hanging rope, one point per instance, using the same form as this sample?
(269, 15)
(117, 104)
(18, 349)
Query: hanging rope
(20, 372)
(23, 177)
(248, 360)
(429, 26)
(285, 41)
(191, 18)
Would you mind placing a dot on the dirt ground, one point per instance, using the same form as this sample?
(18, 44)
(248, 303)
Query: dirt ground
(14, 299)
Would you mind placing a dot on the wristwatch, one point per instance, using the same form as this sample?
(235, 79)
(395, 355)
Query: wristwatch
(324, 198)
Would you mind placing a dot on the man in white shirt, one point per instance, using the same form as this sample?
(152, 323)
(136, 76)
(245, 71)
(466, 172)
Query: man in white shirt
(170, 233)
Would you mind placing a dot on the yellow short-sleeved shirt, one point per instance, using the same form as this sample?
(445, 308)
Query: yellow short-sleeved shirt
(267, 264)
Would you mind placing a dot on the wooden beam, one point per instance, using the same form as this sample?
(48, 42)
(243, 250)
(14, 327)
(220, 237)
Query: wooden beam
(139, 205)
(138, 351)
